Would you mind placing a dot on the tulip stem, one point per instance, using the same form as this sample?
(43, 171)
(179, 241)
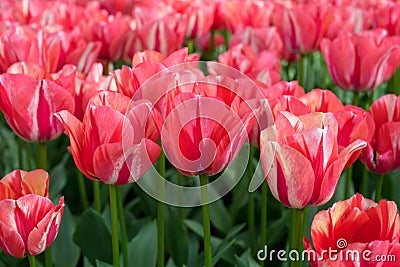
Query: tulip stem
(364, 182)
(206, 221)
(114, 224)
(264, 206)
(356, 98)
(226, 39)
(42, 155)
(300, 70)
(190, 46)
(251, 205)
(82, 190)
(96, 196)
(349, 180)
(379, 184)
(160, 213)
(32, 260)
(20, 154)
(296, 232)
(122, 225)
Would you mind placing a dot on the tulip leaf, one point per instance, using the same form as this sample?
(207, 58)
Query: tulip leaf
(220, 217)
(221, 250)
(142, 249)
(58, 176)
(102, 264)
(176, 238)
(93, 237)
(63, 246)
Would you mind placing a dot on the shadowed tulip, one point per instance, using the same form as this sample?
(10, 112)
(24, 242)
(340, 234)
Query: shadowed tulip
(382, 154)
(307, 162)
(97, 142)
(361, 62)
(356, 231)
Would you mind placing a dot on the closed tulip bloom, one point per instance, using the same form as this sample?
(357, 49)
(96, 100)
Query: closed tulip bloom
(307, 162)
(361, 62)
(97, 144)
(29, 222)
(382, 154)
(29, 106)
(355, 225)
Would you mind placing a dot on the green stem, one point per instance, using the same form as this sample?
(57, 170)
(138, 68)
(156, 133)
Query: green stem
(20, 153)
(96, 196)
(297, 232)
(356, 98)
(160, 213)
(226, 39)
(82, 190)
(206, 222)
(114, 224)
(264, 206)
(251, 204)
(364, 182)
(42, 155)
(29, 154)
(32, 261)
(379, 184)
(190, 45)
(301, 70)
(349, 180)
(122, 225)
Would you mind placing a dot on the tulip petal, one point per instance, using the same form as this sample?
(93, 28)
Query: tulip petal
(10, 240)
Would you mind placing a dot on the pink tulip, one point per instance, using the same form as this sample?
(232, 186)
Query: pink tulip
(355, 226)
(307, 162)
(28, 106)
(97, 143)
(361, 62)
(382, 154)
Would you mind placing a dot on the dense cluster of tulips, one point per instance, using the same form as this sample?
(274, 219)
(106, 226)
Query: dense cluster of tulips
(222, 131)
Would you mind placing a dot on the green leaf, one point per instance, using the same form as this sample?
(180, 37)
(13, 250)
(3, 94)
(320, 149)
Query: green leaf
(220, 217)
(143, 248)
(102, 264)
(224, 247)
(63, 246)
(58, 177)
(93, 237)
(176, 238)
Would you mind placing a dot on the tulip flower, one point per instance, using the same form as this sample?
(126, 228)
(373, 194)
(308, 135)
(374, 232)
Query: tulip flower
(28, 106)
(307, 162)
(356, 231)
(361, 62)
(385, 17)
(144, 65)
(29, 222)
(97, 142)
(382, 154)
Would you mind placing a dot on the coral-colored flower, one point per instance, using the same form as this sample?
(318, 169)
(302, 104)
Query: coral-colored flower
(307, 162)
(29, 105)
(146, 64)
(355, 230)
(382, 154)
(29, 222)
(361, 62)
(19, 183)
(97, 144)
(264, 67)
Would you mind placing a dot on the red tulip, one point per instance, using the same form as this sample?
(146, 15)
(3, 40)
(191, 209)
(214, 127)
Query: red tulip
(359, 225)
(204, 127)
(97, 144)
(264, 67)
(382, 154)
(361, 62)
(146, 64)
(303, 27)
(19, 183)
(29, 222)
(386, 17)
(28, 106)
(307, 162)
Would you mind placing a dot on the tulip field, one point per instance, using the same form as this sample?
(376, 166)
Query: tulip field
(170, 133)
